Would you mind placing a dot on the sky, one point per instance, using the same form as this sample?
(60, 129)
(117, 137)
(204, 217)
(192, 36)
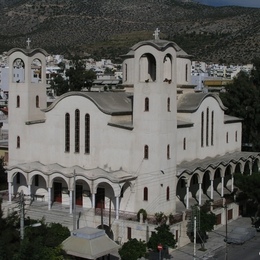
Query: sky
(246, 3)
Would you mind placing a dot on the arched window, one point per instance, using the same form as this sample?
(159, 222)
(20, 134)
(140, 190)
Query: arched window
(186, 72)
(212, 128)
(146, 104)
(236, 136)
(126, 72)
(17, 101)
(146, 152)
(36, 70)
(145, 194)
(18, 71)
(18, 178)
(37, 101)
(18, 144)
(67, 132)
(184, 143)
(77, 125)
(168, 152)
(168, 104)
(207, 127)
(87, 133)
(147, 66)
(168, 193)
(202, 129)
(227, 137)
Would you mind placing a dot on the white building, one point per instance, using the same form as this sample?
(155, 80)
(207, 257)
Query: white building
(141, 148)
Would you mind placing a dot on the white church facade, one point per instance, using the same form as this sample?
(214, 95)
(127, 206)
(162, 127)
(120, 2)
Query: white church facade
(144, 148)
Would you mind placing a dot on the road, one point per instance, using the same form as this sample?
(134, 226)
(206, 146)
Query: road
(250, 250)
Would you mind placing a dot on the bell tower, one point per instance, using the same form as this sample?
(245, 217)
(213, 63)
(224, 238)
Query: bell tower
(150, 69)
(27, 94)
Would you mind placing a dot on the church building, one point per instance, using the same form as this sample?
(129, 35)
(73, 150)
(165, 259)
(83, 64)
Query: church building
(153, 146)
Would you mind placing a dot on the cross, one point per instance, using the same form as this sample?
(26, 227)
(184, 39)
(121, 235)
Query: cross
(28, 43)
(156, 34)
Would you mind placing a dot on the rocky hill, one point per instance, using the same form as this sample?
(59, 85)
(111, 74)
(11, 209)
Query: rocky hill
(107, 28)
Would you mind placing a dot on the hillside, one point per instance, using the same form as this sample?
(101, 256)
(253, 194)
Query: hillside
(108, 28)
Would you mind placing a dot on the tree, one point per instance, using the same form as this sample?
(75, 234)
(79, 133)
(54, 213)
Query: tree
(77, 78)
(250, 186)
(132, 249)
(242, 99)
(163, 236)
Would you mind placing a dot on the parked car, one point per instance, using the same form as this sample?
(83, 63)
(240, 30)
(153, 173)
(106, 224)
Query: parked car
(240, 235)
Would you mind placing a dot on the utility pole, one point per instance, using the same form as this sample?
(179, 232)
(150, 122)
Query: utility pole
(194, 241)
(74, 201)
(22, 215)
(226, 252)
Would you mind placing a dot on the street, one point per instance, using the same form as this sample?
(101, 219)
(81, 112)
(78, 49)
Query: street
(248, 251)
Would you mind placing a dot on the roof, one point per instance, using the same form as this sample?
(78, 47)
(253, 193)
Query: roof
(91, 174)
(89, 243)
(111, 103)
(28, 51)
(160, 45)
(190, 102)
(213, 162)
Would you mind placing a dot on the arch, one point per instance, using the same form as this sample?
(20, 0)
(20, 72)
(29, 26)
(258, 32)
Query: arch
(181, 188)
(168, 104)
(146, 152)
(217, 179)
(238, 168)
(18, 71)
(194, 185)
(247, 168)
(167, 193)
(87, 133)
(17, 101)
(147, 67)
(255, 166)
(146, 104)
(77, 130)
(206, 182)
(19, 181)
(145, 194)
(67, 132)
(228, 177)
(37, 102)
(167, 68)
(18, 142)
(36, 70)
(104, 193)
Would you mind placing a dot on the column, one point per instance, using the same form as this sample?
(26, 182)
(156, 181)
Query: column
(211, 189)
(93, 200)
(232, 183)
(187, 196)
(117, 207)
(199, 193)
(49, 198)
(222, 186)
(9, 192)
(71, 201)
(29, 190)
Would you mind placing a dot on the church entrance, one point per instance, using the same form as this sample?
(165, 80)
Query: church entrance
(100, 198)
(79, 198)
(57, 186)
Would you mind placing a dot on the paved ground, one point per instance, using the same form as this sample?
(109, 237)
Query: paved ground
(214, 243)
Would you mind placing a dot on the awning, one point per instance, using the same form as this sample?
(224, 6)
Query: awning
(89, 243)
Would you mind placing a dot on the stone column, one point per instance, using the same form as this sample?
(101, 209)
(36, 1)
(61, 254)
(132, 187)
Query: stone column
(93, 200)
(117, 207)
(29, 190)
(49, 198)
(187, 196)
(71, 201)
(211, 189)
(199, 193)
(222, 186)
(9, 192)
